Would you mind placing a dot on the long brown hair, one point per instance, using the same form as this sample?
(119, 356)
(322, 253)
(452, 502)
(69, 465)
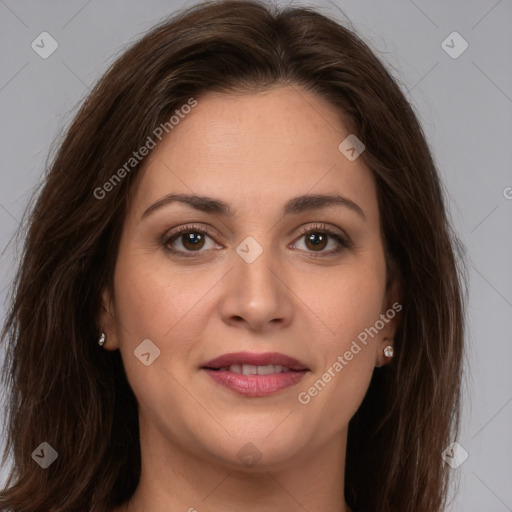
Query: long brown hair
(67, 392)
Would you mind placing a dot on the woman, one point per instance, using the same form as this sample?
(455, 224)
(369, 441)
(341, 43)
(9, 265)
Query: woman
(246, 218)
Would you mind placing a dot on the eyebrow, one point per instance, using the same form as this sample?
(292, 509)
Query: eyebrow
(294, 206)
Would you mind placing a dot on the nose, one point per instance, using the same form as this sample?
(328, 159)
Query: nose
(256, 296)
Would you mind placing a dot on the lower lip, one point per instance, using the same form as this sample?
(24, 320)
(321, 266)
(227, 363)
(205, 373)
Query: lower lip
(255, 385)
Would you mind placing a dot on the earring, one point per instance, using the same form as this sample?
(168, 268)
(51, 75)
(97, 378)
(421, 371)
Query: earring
(101, 341)
(388, 351)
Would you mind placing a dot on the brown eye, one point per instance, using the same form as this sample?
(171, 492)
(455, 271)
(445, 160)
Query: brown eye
(318, 238)
(193, 240)
(316, 241)
(188, 241)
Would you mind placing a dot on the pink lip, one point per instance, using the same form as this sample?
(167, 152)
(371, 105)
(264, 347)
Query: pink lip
(255, 385)
(255, 359)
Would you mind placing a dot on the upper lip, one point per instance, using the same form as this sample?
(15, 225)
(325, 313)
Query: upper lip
(253, 358)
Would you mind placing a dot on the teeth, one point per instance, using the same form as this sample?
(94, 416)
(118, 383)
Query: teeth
(266, 370)
(250, 369)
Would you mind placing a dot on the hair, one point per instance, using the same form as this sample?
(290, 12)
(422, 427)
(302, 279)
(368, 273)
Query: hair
(64, 390)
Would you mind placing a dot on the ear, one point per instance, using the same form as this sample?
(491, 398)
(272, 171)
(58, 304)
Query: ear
(107, 321)
(390, 317)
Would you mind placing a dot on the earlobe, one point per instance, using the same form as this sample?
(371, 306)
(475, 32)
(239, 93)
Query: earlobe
(101, 341)
(391, 319)
(393, 304)
(107, 337)
(387, 353)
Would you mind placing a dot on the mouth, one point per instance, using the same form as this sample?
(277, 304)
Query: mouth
(255, 375)
(251, 369)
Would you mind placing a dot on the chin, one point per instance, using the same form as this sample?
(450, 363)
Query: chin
(257, 451)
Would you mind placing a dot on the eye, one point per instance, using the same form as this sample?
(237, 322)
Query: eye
(318, 237)
(188, 239)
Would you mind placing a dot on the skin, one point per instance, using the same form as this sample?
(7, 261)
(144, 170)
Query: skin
(255, 152)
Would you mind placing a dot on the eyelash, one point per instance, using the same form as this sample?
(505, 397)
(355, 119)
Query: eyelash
(344, 243)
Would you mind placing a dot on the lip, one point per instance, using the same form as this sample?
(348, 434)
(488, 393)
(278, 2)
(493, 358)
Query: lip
(255, 385)
(255, 359)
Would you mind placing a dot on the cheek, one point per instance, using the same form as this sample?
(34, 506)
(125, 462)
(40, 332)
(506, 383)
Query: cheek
(346, 364)
(153, 299)
(349, 304)
(349, 300)
(148, 308)
(168, 307)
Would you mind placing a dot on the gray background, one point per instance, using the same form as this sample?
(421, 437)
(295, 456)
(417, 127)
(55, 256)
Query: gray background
(465, 106)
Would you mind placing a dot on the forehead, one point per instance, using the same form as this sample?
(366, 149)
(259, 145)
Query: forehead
(255, 151)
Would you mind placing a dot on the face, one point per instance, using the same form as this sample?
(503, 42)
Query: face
(253, 271)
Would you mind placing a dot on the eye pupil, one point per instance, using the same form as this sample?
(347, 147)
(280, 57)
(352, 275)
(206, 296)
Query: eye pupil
(317, 239)
(194, 239)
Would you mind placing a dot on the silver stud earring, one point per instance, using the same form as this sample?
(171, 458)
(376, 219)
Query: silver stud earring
(101, 341)
(388, 351)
